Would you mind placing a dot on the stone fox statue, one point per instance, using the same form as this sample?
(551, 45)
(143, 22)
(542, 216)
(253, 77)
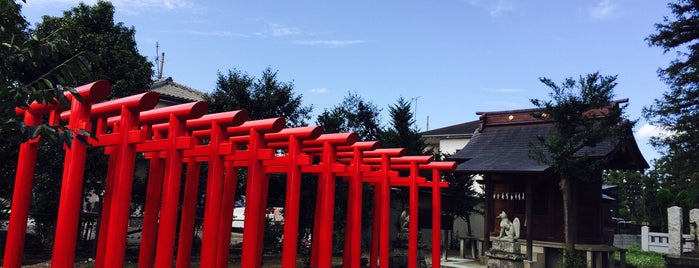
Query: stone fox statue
(508, 229)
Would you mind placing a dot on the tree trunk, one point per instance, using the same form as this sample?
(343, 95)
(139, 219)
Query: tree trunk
(568, 212)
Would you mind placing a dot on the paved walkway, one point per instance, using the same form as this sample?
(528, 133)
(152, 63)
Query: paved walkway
(461, 263)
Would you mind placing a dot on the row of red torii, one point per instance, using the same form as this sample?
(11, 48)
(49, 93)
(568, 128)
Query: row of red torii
(174, 135)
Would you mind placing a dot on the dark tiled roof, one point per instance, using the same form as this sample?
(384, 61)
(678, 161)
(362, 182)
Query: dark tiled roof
(507, 139)
(463, 129)
(502, 149)
(169, 89)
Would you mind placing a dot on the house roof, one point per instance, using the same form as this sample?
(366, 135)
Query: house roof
(506, 140)
(454, 131)
(171, 90)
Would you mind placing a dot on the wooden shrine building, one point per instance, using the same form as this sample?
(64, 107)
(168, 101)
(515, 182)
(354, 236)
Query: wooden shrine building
(500, 152)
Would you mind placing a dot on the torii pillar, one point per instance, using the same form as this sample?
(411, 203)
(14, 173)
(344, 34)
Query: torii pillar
(176, 142)
(24, 177)
(73, 174)
(291, 163)
(353, 230)
(321, 247)
(121, 145)
(216, 125)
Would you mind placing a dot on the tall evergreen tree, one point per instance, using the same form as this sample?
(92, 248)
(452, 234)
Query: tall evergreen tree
(575, 128)
(402, 131)
(677, 110)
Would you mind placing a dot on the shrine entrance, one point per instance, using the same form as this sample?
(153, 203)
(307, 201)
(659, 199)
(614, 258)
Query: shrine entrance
(173, 137)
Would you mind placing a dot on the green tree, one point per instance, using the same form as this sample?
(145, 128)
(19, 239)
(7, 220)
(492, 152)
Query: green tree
(577, 124)
(650, 189)
(353, 114)
(265, 97)
(39, 64)
(34, 68)
(630, 196)
(664, 198)
(402, 131)
(232, 92)
(677, 110)
(92, 28)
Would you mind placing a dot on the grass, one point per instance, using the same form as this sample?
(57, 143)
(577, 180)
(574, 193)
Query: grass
(642, 259)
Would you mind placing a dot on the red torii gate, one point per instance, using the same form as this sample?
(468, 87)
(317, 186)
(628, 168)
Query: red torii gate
(214, 127)
(386, 177)
(72, 176)
(121, 144)
(291, 164)
(135, 129)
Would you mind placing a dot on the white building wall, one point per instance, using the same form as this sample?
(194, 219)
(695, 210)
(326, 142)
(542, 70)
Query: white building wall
(450, 146)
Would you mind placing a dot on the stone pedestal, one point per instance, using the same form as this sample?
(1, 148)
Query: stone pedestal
(505, 253)
(399, 258)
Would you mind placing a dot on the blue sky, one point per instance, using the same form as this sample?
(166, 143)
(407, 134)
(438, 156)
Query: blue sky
(450, 58)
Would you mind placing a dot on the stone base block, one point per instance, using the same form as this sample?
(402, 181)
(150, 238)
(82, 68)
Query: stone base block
(496, 263)
(506, 254)
(507, 246)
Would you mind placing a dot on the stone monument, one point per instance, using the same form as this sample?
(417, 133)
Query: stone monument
(676, 257)
(506, 251)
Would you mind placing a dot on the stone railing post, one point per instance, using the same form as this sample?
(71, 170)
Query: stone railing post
(674, 228)
(644, 237)
(694, 228)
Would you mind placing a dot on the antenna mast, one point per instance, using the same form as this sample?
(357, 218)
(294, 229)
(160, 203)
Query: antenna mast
(159, 61)
(162, 62)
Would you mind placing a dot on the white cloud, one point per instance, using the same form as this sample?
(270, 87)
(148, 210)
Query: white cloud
(495, 8)
(278, 30)
(603, 10)
(648, 131)
(331, 43)
(321, 90)
(282, 30)
(217, 33)
(508, 90)
(123, 5)
(501, 7)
